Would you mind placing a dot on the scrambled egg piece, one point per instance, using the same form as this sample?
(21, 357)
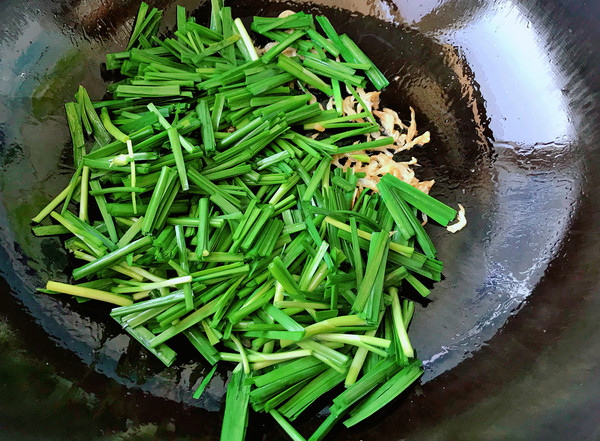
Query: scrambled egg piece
(286, 13)
(460, 223)
(382, 163)
(290, 51)
(378, 166)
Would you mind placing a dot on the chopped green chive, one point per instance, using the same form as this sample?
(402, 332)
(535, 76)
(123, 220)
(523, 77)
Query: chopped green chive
(226, 217)
(88, 293)
(235, 419)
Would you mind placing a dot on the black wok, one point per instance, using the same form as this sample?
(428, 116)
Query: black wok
(509, 90)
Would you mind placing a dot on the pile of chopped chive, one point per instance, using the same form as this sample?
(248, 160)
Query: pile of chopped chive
(204, 209)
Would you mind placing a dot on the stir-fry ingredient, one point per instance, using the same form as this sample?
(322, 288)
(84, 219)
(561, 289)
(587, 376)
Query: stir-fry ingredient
(248, 199)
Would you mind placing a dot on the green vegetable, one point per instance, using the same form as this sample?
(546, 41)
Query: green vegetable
(88, 293)
(433, 208)
(286, 426)
(217, 216)
(204, 383)
(235, 419)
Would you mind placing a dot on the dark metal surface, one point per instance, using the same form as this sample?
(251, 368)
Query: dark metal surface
(509, 90)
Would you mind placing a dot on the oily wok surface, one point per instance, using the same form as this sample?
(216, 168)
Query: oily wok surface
(508, 90)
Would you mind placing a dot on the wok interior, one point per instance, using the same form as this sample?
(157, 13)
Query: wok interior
(509, 141)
